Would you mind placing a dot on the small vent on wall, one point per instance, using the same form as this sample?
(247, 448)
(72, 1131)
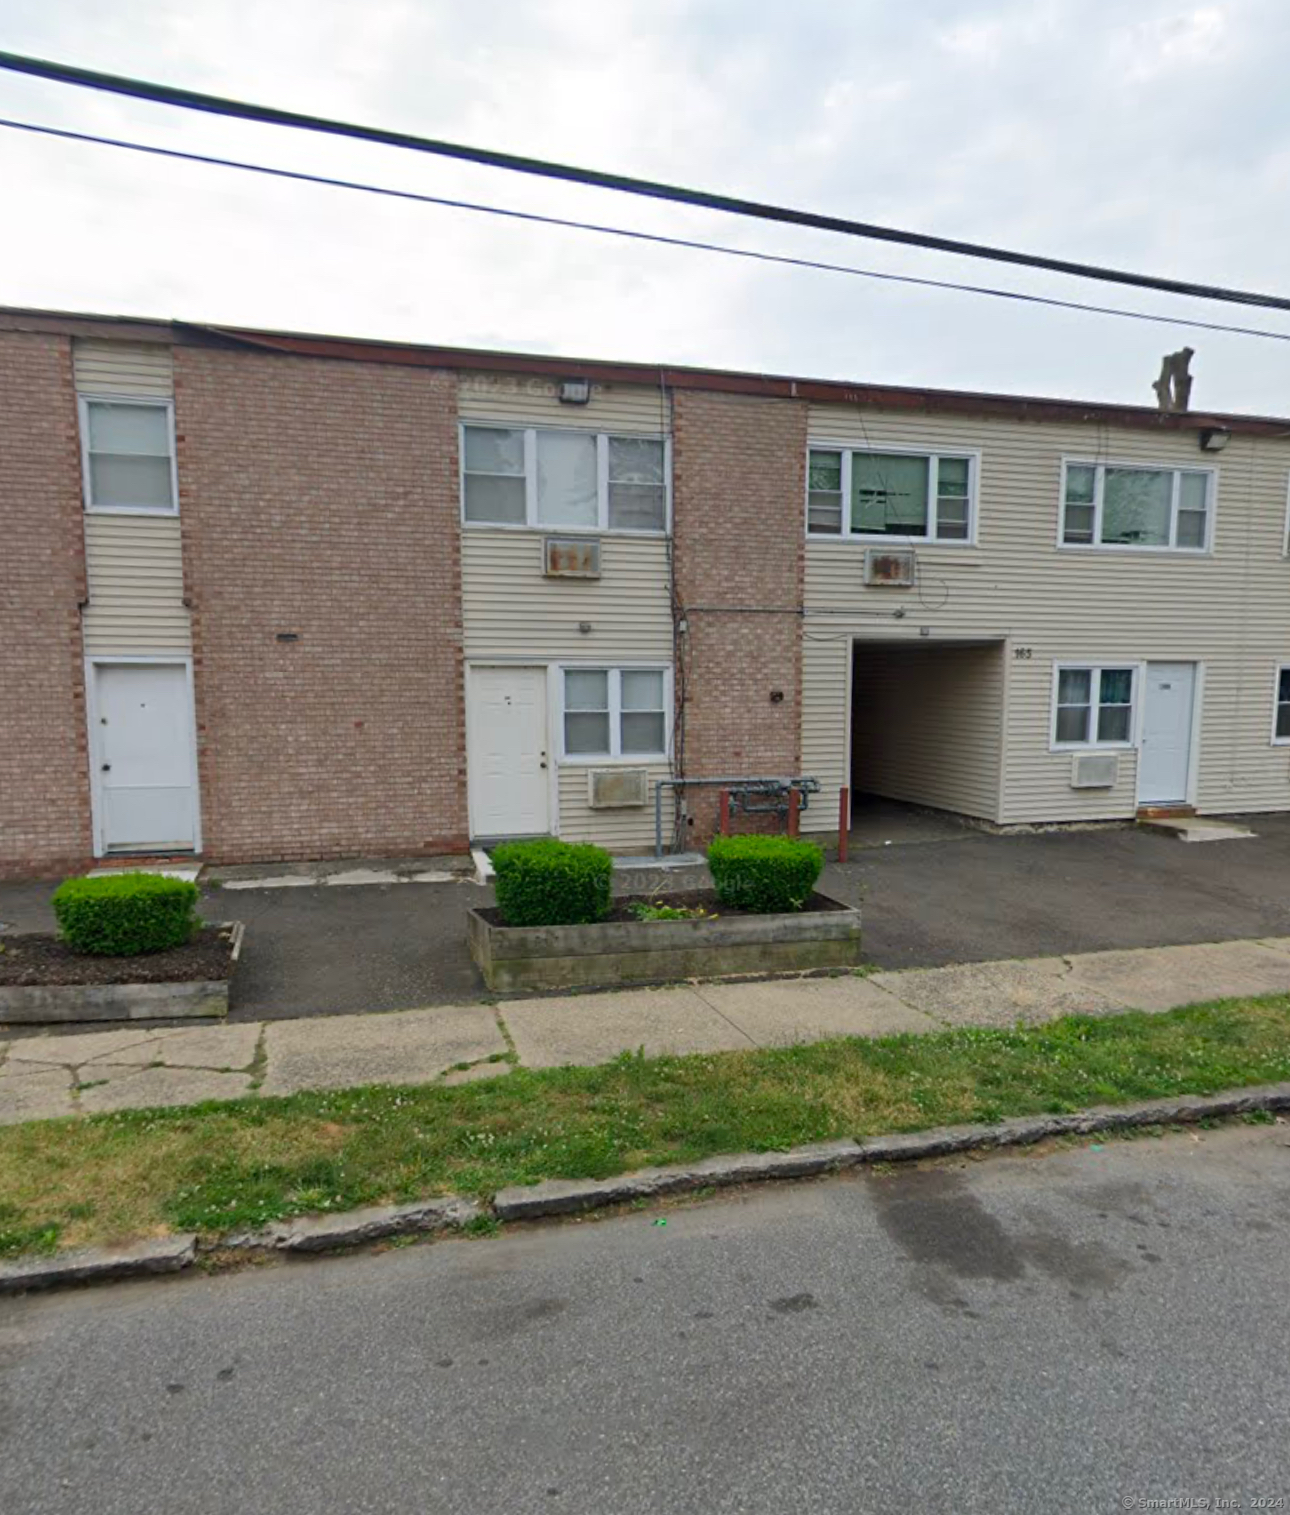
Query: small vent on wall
(1095, 770)
(571, 558)
(617, 788)
(883, 566)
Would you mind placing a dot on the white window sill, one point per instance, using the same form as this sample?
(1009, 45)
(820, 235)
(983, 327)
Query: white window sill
(1113, 547)
(129, 510)
(636, 760)
(852, 540)
(1093, 747)
(565, 531)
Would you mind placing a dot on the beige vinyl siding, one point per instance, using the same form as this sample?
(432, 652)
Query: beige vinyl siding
(124, 368)
(520, 401)
(623, 831)
(925, 725)
(133, 563)
(511, 610)
(1229, 610)
(136, 580)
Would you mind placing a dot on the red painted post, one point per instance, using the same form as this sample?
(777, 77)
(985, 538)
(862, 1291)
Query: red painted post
(794, 812)
(844, 823)
(724, 826)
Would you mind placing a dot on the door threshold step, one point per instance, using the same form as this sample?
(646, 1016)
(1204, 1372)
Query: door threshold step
(187, 871)
(1197, 828)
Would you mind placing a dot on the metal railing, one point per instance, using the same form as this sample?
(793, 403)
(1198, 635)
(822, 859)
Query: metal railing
(787, 796)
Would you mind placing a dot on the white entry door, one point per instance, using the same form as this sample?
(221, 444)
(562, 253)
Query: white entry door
(1164, 763)
(506, 739)
(142, 751)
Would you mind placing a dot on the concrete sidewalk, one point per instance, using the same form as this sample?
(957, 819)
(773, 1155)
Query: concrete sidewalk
(139, 1066)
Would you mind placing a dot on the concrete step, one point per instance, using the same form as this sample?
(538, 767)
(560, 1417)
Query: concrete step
(1197, 828)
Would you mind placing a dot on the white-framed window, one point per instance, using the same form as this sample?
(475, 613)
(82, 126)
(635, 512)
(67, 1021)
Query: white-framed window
(1093, 705)
(615, 713)
(1281, 710)
(540, 477)
(128, 455)
(876, 495)
(1127, 505)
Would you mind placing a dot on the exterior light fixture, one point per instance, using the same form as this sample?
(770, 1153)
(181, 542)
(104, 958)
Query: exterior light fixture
(1214, 438)
(575, 391)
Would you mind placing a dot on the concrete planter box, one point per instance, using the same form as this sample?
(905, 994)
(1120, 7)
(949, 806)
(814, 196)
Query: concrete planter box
(47, 1004)
(651, 952)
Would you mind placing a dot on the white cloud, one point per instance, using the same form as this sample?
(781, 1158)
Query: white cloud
(1157, 143)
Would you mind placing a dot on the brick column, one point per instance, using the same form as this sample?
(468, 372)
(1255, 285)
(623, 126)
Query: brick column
(321, 531)
(739, 487)
(44, 767)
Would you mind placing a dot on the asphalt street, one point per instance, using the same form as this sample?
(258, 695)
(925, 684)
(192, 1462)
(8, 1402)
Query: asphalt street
(1083, 1330)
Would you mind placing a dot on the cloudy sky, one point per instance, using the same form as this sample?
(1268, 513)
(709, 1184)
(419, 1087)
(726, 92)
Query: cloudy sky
(1152, 135)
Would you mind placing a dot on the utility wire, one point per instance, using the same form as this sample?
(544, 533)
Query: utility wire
(218, 105)
(639, 236)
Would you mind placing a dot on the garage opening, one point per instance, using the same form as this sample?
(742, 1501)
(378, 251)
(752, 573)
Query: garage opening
(926, 726)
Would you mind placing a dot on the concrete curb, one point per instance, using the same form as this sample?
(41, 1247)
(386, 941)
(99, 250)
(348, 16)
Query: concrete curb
(167, 1254)
(354, 1228)
(562, 1197)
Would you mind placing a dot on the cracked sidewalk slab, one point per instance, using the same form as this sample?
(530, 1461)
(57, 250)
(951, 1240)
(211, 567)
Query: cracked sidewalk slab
(999, 994)
(397, 1047)
(1166, 978)
(594, 1028)
(813, 1009)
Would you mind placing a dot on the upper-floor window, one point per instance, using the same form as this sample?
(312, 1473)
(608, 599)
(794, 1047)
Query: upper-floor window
(920, 496)
(128, 455)
(615, 712)
(571, 480)
(1121, 505)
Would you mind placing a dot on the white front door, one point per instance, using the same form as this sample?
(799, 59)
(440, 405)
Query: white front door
(142, 752)
(506, 743)
(1164, 763)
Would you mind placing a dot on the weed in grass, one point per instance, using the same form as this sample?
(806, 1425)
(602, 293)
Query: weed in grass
(482, 1225)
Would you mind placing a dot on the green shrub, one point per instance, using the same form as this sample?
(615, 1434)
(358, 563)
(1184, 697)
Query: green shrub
(765, 874)
(552, 883)
(126, 914)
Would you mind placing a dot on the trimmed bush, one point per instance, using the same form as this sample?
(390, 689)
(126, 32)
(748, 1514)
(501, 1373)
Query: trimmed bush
(550, 883)
(768, 875)
(127, 914)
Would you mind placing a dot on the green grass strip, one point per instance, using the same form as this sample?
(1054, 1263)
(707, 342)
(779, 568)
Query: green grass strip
(219, 1167)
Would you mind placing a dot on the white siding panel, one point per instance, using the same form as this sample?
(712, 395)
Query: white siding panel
(136, 585)
(124, 368)
(522, 401)
(1230, 610)
(510, 609)
(825, 654)
(623, 831)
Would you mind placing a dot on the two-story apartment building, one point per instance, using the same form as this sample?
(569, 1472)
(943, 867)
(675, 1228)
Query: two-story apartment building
(276, 597)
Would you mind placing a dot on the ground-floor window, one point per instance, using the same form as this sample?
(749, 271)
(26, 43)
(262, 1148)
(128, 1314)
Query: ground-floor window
(614, 712)
(1093, 705)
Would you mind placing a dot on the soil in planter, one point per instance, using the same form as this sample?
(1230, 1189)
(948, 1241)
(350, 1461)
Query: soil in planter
(42, 959)
(694, 900)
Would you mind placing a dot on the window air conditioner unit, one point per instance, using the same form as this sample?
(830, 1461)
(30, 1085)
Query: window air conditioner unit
(1095, 770)
(617, 788)
(571, 557)
(883, 566)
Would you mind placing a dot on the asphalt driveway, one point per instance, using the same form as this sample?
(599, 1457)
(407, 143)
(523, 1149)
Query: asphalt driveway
(936, 895)
(973, 897)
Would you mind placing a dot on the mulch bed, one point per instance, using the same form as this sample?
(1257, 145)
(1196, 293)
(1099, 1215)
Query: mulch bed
(43, 959)
(694, 899)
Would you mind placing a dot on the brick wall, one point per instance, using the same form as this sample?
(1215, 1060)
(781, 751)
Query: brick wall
(739, 481)
(44, 772)
(319, 498)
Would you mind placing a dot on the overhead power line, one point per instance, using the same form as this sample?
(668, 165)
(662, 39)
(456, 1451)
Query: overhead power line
(687, 243)
(218, 105)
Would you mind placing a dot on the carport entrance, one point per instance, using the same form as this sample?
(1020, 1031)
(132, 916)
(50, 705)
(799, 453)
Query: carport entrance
(927, 723)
